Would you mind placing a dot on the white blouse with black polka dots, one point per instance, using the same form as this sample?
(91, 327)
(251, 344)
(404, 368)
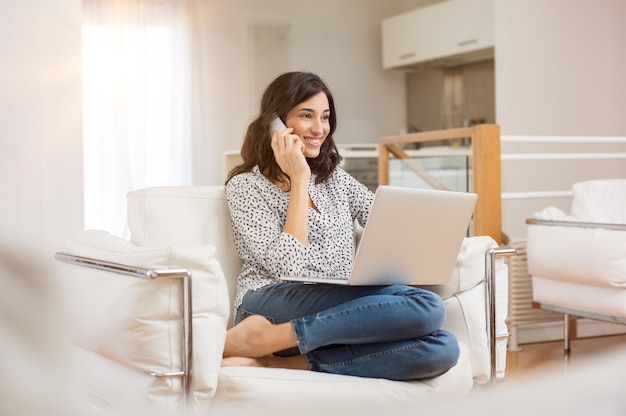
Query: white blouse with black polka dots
(258, 209)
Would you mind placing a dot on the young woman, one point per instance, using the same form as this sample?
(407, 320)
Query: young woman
(292, 210)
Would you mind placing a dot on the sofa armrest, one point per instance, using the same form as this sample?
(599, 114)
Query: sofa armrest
(585, 253)
(492, 314)
(186, 372)
(139, 322)
(477, 309)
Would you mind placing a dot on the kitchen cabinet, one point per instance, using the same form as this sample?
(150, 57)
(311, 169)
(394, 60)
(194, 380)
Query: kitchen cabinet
(451, 32)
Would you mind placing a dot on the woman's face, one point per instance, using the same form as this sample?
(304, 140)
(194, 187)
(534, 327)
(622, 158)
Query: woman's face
(310, 121)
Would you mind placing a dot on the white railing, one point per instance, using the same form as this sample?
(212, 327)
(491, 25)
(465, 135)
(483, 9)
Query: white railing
(540, 170)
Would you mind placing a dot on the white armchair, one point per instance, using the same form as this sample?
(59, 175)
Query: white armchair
(156, 341)
(578, 261)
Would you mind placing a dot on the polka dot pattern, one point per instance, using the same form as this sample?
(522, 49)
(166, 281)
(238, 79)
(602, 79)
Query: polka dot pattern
(258, 209)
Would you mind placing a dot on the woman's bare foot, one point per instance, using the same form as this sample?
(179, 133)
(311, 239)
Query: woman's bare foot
(241, 362)
(256, 337)
(296, 362)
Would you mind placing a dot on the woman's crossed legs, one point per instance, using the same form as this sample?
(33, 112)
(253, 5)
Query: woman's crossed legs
(372, 331)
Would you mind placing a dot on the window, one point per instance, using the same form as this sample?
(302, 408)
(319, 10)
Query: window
(136, 104)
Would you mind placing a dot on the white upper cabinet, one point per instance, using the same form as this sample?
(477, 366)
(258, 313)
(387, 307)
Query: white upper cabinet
(451, 31)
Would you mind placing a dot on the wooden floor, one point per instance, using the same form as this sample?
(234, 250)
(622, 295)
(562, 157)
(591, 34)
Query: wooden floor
(549, 356)
(540, 381)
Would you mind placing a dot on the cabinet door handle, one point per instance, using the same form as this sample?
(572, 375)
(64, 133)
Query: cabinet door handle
(407, 55)
(467, 42)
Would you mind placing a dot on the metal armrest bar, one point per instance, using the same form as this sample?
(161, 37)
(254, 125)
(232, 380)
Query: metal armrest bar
(577, 224)
(490, 272)
(584, 314)
(142, 272)
(154, 274)
(568, 312)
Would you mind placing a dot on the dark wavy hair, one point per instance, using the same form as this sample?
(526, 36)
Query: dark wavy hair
(283, 94)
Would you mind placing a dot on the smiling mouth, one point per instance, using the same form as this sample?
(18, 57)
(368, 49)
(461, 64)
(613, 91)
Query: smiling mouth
(313, 141)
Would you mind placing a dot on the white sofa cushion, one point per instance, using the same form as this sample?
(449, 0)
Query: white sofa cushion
(138, 322)
(249, 390)
(183, 215)
(594, 256)
(601, 200)
(580, 296)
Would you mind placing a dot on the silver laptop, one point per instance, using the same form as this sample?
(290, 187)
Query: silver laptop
(413, 237)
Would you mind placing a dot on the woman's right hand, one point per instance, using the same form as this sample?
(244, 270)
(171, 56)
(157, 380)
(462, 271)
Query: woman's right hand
(288, 152)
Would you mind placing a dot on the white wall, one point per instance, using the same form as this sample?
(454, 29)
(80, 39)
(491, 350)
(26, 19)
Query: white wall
(338, 40)
(560, 66)
(40, 118)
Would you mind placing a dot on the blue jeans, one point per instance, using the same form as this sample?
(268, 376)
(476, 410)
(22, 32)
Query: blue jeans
(390, 332)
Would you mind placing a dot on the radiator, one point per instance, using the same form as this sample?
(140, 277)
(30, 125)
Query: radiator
(268, 49)
(521, 311)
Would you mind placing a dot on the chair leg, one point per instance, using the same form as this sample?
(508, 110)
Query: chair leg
(566, 333)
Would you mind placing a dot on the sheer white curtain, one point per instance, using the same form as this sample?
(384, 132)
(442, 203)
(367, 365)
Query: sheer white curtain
(138, 67)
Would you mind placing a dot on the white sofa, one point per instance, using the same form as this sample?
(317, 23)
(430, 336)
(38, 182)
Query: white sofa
(129, 334)
(578, 261)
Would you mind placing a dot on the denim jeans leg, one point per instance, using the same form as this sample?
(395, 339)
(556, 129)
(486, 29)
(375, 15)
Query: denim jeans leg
(365, 331)
(416, 359)
(381, 314)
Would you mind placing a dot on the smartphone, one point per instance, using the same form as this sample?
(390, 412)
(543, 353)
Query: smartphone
(277, 125)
